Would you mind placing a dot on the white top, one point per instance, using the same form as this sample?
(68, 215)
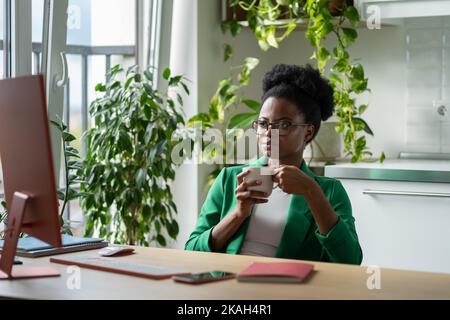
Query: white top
(267, 224)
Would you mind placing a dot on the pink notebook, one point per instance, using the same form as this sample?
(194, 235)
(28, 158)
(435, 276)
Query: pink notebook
(276, 272)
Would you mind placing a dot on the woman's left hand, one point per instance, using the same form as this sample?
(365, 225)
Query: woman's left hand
(292, 180)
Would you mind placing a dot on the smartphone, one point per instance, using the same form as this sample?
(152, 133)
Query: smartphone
(204, 277)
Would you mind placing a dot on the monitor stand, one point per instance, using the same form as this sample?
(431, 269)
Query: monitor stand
(15, 219)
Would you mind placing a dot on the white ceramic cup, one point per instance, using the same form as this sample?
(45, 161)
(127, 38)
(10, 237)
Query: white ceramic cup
(267, 185)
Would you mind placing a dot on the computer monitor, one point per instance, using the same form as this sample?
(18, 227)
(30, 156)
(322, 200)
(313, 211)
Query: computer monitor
(28, 172)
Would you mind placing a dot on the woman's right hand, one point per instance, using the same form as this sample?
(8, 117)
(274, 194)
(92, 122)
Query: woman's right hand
(246, 198)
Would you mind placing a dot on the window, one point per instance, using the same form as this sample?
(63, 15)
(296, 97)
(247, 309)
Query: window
(3, 64)
(100, 34)
(2, 22)
(37, 16)
(4, 34)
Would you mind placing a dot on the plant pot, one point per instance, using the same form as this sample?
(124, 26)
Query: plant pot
(327, 144)
(241, 14)
(335, 5)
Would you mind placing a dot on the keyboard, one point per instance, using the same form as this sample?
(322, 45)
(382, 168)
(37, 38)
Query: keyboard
(121, 267)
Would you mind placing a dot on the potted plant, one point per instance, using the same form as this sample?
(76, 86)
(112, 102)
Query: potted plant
(128, 166)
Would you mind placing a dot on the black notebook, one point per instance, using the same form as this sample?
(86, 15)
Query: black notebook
(31, 247)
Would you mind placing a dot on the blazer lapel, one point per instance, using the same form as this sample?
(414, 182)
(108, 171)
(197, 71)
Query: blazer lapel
(298, 222)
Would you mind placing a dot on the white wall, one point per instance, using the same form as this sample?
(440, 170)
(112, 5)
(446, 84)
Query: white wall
(382, 53)
(183, 60)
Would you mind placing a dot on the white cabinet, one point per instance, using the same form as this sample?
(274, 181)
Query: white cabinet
(402, 225)
(392, 9)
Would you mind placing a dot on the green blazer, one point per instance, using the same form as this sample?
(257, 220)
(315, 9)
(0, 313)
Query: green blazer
(300, 239)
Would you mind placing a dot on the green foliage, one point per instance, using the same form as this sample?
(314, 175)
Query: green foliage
(3, 217)
(73, 170)
(128, 166)
(222, 112)
(272, 21)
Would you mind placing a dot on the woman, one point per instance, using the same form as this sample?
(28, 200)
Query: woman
(308, 217)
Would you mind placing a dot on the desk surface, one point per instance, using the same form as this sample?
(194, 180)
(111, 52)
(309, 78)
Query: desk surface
(330, 281)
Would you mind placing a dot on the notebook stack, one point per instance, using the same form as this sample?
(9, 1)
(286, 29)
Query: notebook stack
(30, 247)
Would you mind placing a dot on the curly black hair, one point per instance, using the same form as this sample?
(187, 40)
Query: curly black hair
(304, 87)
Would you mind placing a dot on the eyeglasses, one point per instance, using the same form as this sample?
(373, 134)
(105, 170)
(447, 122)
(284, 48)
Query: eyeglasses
(284, 126)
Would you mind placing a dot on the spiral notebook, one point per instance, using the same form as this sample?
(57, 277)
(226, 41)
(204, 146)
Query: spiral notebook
(30, 247)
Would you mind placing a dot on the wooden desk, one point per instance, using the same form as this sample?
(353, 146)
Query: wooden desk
(330, 281)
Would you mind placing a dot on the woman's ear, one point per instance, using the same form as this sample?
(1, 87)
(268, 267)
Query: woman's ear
(310, 130)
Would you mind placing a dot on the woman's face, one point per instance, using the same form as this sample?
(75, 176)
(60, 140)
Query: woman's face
(293, 144)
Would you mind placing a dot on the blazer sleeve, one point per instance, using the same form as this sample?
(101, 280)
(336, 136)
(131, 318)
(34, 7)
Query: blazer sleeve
(209, 216)
(341, 243)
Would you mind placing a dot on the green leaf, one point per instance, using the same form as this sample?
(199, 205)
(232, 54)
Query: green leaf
(100, 88)
(235, 28)
(350, 35)
(137, 78)
(140, 177)
(252, 104)
(271, 38)
(228, 52)
(242, 121)
(202, 118)
(61, 195)
(359, 86)
(362, 108)
(358, 72)
(115, 70)
(166, 74)
(179, 99)
(251, 63)
(161, 240)
(225, 26)
(382, 157)
(324, 54)
(72, 154)
(185, 87)
(148, 75)
(340, 65)
(352, 15)
(114, 85)
(68, 137)
(175, 81)
(216, 109)
(263, 45)
(57, 125)
(173, 229)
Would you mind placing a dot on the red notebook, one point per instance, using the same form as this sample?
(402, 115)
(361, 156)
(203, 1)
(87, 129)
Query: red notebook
(276, 272)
